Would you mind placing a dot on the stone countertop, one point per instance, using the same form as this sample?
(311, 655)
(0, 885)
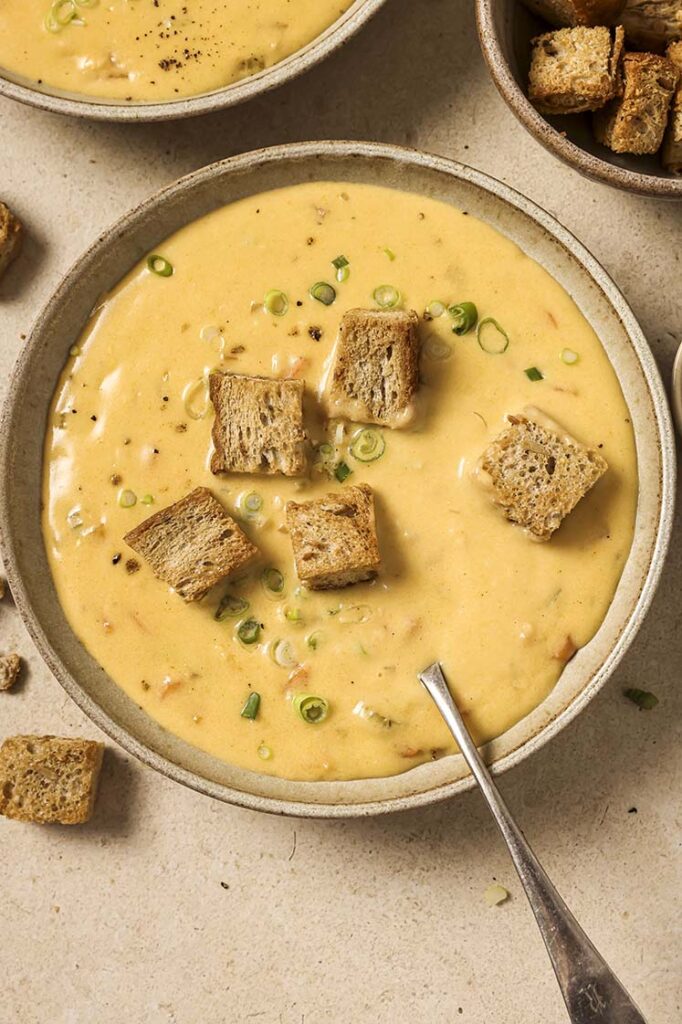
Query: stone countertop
(169, 908)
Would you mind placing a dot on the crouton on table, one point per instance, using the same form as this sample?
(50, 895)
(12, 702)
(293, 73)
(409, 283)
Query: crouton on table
(334, 538)
(536, 476)
(375, 367)
(575, 69)
(672, 144)
(11, 234)
(258, 426)
(652, 24)
(576, 12)
(635, 122)
(47, 779)
(192, 544)
(10, 666)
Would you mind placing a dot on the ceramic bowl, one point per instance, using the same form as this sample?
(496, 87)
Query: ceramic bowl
(77, 105)
(505, 29)
(111, 256)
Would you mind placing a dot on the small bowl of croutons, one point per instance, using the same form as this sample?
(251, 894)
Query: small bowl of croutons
(597, 82)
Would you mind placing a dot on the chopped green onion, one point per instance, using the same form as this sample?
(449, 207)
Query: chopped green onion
(75, 350)
(323, 292)
(230, 607)
(147, 499)
(127, 499)
(248, 631)
(264, 752)
(314, 639)
(250, 504)
(342, 472)
(532, 373)
(159, 265)
(389, 253)
(367, 445)
(272, 580)
(434, 309)
(342, 274)
(569, 357)
(250, 709)
(644, 700)
(386, 296)
(63, 11)
(276, 302)
(340, 262)
(283, 654)
(293, 615)
(437, 349)
(310, 708)
(464, 316)
(494, 343)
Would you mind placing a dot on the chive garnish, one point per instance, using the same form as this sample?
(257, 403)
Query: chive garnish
(496, 340)
(386, 296)
(644, 699)
(340, 262)
(147, 499)
(276, 302)
(342, 472)
(250, 709)
(310, 708)
(389, 253)
(464, 316)
(272, 580)
(248, 631)
(159, 265)
(230, 607)
(434, 309)
(532, 373)
(367, 445)
(323, 292)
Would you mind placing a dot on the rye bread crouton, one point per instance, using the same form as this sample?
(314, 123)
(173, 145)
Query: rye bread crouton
(48, 779)
(334, 538)
(10, 667)
(193, 544)
(258, 426)
(672, 143)
(635, 122)
(11, 235)
(565, 13)
(652, 24)
(575, 69)
(374, 373)
(536, 476)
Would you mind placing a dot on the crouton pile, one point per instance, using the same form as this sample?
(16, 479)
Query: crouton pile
(621, 61)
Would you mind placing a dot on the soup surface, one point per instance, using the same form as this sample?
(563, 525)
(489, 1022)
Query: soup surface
(148, 50)
(131, 421)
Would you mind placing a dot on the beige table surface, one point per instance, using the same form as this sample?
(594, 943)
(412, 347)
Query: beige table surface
(172, 909)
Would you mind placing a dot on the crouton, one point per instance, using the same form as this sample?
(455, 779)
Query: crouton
(635, 122)
(192, 544)
(575, 69)
(672, 143)
(47, 779)
(652, 24)
(334, 538)
(11, 235)
(10, 667)
(375, 367)
(536, 475)
(565, 13)
(258, 426)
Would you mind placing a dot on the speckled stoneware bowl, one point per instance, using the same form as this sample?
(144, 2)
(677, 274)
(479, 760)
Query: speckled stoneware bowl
(111, 256)
(505, 29)
(58, 101)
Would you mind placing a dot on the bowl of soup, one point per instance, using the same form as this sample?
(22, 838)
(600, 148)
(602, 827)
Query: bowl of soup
(166, 59)
(268, 692)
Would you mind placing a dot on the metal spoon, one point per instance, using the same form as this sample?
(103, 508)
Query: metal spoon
(591, 991)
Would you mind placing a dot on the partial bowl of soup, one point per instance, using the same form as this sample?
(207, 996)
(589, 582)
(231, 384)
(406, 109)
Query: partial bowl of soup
(156, 60)
(236, 541)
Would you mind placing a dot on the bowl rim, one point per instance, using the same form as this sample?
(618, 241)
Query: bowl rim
(547, 135)
(79, 105)
(649, 577)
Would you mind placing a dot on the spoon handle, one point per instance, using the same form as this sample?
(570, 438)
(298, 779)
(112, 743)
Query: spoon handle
(592, 992)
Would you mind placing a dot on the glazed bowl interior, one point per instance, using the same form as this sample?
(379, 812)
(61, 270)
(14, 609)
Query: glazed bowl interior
(506, 29)
(110, 258)
(79, 105)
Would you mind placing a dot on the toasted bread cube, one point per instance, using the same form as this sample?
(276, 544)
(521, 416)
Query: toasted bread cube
(334, 538)
(635, 122)
(576, 12)
(672, 144)
(193, 544)
(11, 234)
(652, 24)
(10, 667)
(375, 369)
(258, 426)
(49, 780)
(536, 476)
(575, 69)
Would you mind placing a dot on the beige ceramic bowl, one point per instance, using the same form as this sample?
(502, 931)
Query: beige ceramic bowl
(111, 256)
(17, 87)
(505, 28)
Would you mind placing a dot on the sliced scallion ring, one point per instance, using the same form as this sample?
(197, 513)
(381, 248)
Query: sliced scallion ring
(283, 654)
(495, 341)
(434, 309)
(367, 445)
(127, 499)
(64, 11)
(159, 265)
(310, 708)
(314, 639)
(342, 274)
(569, 357)
(276, 302)
(264, 752)
(293, 615)
(248, 631)
(250, 504)
(250, 709)
(147, 499)
(273, 581)
(437, 349)
(464, 316)
(386, 296)
(230, 607)
(323, 292)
